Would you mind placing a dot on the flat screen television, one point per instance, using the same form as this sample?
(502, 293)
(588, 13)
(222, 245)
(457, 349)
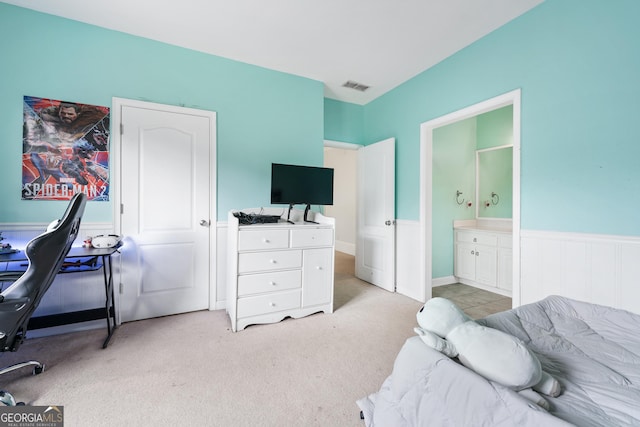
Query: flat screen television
(294, 184)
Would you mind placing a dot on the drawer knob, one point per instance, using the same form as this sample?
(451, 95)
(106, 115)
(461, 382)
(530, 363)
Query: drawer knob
(272, 283)
(318, 267)
(265, 240)
(272, 304)
(272, 261)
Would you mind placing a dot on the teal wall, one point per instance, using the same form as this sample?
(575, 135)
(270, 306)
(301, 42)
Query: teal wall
(263, 116)
(343, 121)
(577, 63)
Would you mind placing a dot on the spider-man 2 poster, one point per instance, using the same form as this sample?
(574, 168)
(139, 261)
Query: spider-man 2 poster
(65, 150)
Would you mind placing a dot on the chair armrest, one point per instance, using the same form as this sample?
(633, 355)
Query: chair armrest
(10, 276)
(13, 305)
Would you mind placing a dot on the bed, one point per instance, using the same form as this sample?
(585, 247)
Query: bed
(593, 351)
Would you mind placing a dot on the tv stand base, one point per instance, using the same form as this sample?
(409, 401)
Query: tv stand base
(306, 213)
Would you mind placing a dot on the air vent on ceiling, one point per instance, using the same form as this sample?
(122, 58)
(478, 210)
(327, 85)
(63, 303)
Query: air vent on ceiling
(354, 85)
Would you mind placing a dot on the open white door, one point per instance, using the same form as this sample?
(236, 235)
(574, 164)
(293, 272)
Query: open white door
(376, 231)
(165, 197)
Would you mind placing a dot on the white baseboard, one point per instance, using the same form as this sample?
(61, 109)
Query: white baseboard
(442, 281)
(219, 305)
(346, 247)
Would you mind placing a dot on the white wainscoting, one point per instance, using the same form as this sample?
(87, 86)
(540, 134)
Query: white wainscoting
(221, 266)
(594, 268)
(68, 292)
(408, 260)
(600, 269)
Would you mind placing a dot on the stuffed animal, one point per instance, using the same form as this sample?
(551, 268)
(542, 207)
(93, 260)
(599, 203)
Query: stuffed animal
(495, 355)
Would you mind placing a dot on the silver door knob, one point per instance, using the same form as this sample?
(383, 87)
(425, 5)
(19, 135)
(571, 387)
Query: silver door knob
(204, 222)
(387, 222)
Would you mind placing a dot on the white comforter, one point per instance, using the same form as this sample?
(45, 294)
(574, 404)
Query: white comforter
(594, 352)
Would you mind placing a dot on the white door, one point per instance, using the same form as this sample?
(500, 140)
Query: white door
(166, 204)
(375, 225)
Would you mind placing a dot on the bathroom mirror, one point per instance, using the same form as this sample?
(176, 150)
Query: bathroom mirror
(494, 182)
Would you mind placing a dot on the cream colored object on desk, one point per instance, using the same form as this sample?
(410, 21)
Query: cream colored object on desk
(105, 241)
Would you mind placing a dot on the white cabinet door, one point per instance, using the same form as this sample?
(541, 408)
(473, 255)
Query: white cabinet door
(465, 261)
(486, 265)
(484, 259)
(317, 273)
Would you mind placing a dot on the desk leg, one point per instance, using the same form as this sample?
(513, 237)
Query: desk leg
(110, 300)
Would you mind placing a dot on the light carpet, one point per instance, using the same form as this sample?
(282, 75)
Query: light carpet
(190, 369)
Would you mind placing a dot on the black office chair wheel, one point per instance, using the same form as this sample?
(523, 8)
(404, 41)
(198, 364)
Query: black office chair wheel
(38, 369)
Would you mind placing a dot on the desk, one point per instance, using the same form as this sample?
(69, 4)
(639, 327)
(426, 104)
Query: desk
(79, 259)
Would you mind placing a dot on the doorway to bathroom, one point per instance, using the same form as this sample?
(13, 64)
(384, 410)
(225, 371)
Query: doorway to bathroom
(427, 210)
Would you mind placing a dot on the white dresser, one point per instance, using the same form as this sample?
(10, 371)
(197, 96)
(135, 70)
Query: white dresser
(483, 258)
(280, 269)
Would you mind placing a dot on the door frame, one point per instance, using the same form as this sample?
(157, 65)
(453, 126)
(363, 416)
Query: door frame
(347, 146)
(426, 185)
(116, 182)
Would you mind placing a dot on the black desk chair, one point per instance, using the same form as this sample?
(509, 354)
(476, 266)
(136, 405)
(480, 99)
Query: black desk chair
(46, 253)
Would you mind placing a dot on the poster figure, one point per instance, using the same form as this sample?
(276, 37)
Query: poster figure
(65, 150)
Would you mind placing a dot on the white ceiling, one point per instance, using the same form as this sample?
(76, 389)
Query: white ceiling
(379, 43)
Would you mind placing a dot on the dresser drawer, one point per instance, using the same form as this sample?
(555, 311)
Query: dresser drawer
(252, 240)
(269, 303)
(479, 238)
(269, 282)
(312, 237)
(268, 261)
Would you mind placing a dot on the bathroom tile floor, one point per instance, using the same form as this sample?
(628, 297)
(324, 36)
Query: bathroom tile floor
(476, 303)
